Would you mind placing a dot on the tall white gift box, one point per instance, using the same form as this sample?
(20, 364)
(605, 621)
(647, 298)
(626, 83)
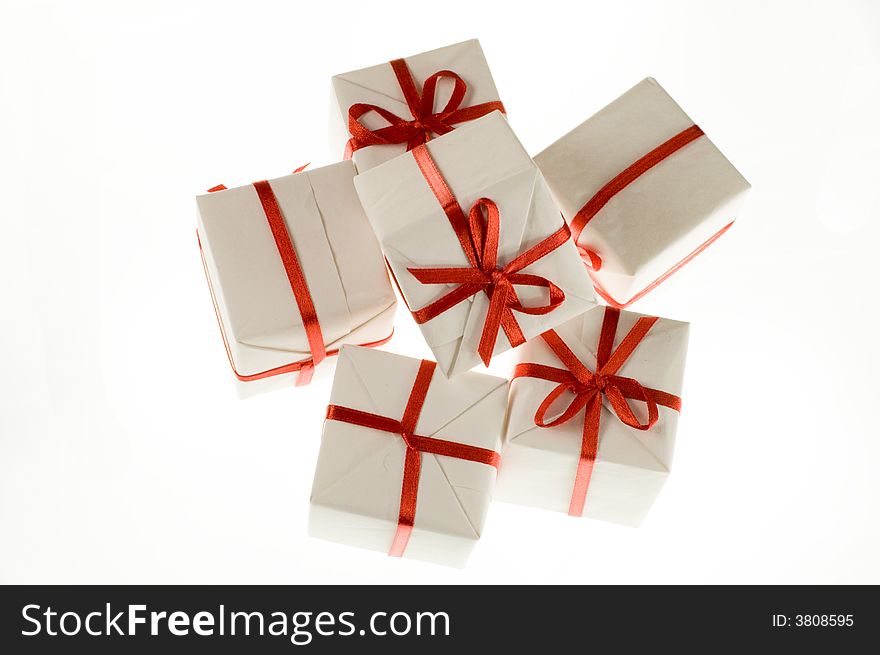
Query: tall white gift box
(331, 261)
(400, 103)
(473, 237)
(408, 458)
(595, 440)
(644, 190)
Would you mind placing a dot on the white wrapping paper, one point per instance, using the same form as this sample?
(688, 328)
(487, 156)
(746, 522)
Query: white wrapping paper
(378, 85)
(338, 254)
(356, 491)
(661, 217)
(539, 464)
(480, 159)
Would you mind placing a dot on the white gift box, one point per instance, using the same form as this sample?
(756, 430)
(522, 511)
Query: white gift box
(378, 85)
(482, 158)
(664, 215)
(539, 464)
(339, 257)
(356, 494)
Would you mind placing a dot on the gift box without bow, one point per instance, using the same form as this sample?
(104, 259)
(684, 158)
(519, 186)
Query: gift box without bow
(408, 459)
(644, 190)
(294, 271)
(593, 414)
(478, 248)
(387, 109)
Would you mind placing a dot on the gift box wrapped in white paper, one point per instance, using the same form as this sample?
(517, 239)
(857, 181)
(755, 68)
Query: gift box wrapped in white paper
(398, 104)
(434, 210)
(593, 414)
(643, 189)
(408, 459)
(332, 259)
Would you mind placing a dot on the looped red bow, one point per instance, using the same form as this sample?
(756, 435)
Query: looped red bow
(425, 121)
(415, 446)
(590, 257)
(588, 388)
(498, 282)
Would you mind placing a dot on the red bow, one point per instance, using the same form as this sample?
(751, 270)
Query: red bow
(484, 274)
(588, 388)
(425, 121)
(415, 446)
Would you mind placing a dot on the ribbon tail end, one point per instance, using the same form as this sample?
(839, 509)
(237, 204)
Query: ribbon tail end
(306, 373)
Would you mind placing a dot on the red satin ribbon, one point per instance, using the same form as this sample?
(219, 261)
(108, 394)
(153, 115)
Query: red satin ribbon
(293, 367)
(660, 280)
(589, 387)
(415, 446)
(296, 278)
(425, 121)
(618, 183)
(298, 285)
(484, 274)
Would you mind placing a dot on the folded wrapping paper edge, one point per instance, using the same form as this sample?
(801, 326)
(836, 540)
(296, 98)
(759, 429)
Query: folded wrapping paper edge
(375, 195)
(428, 420)
(590, 388)
(293, 367)
(568, 153)
(488, 388)
(677, 124)
(399, 100)
(667, 150)
(469, 50)
(575, 331)
(672, 270)
(346, 278)
(369, 312)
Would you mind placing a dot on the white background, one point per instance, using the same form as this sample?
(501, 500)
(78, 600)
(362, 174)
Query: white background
(125, 455)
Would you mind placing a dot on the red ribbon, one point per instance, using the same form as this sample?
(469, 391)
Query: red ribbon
(484, 274)
(415, 446)
(297, 279)
(588, 388)
(425, 121)
(618, 183)
(293, 367)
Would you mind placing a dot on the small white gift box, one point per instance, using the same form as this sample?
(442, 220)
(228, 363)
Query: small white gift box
(252, 286)
(598, 453)
(643, 189)
(408, 459)
(428, 205)
(405, 101)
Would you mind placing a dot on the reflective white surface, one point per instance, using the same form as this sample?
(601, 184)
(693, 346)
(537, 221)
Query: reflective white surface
(125, 455)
